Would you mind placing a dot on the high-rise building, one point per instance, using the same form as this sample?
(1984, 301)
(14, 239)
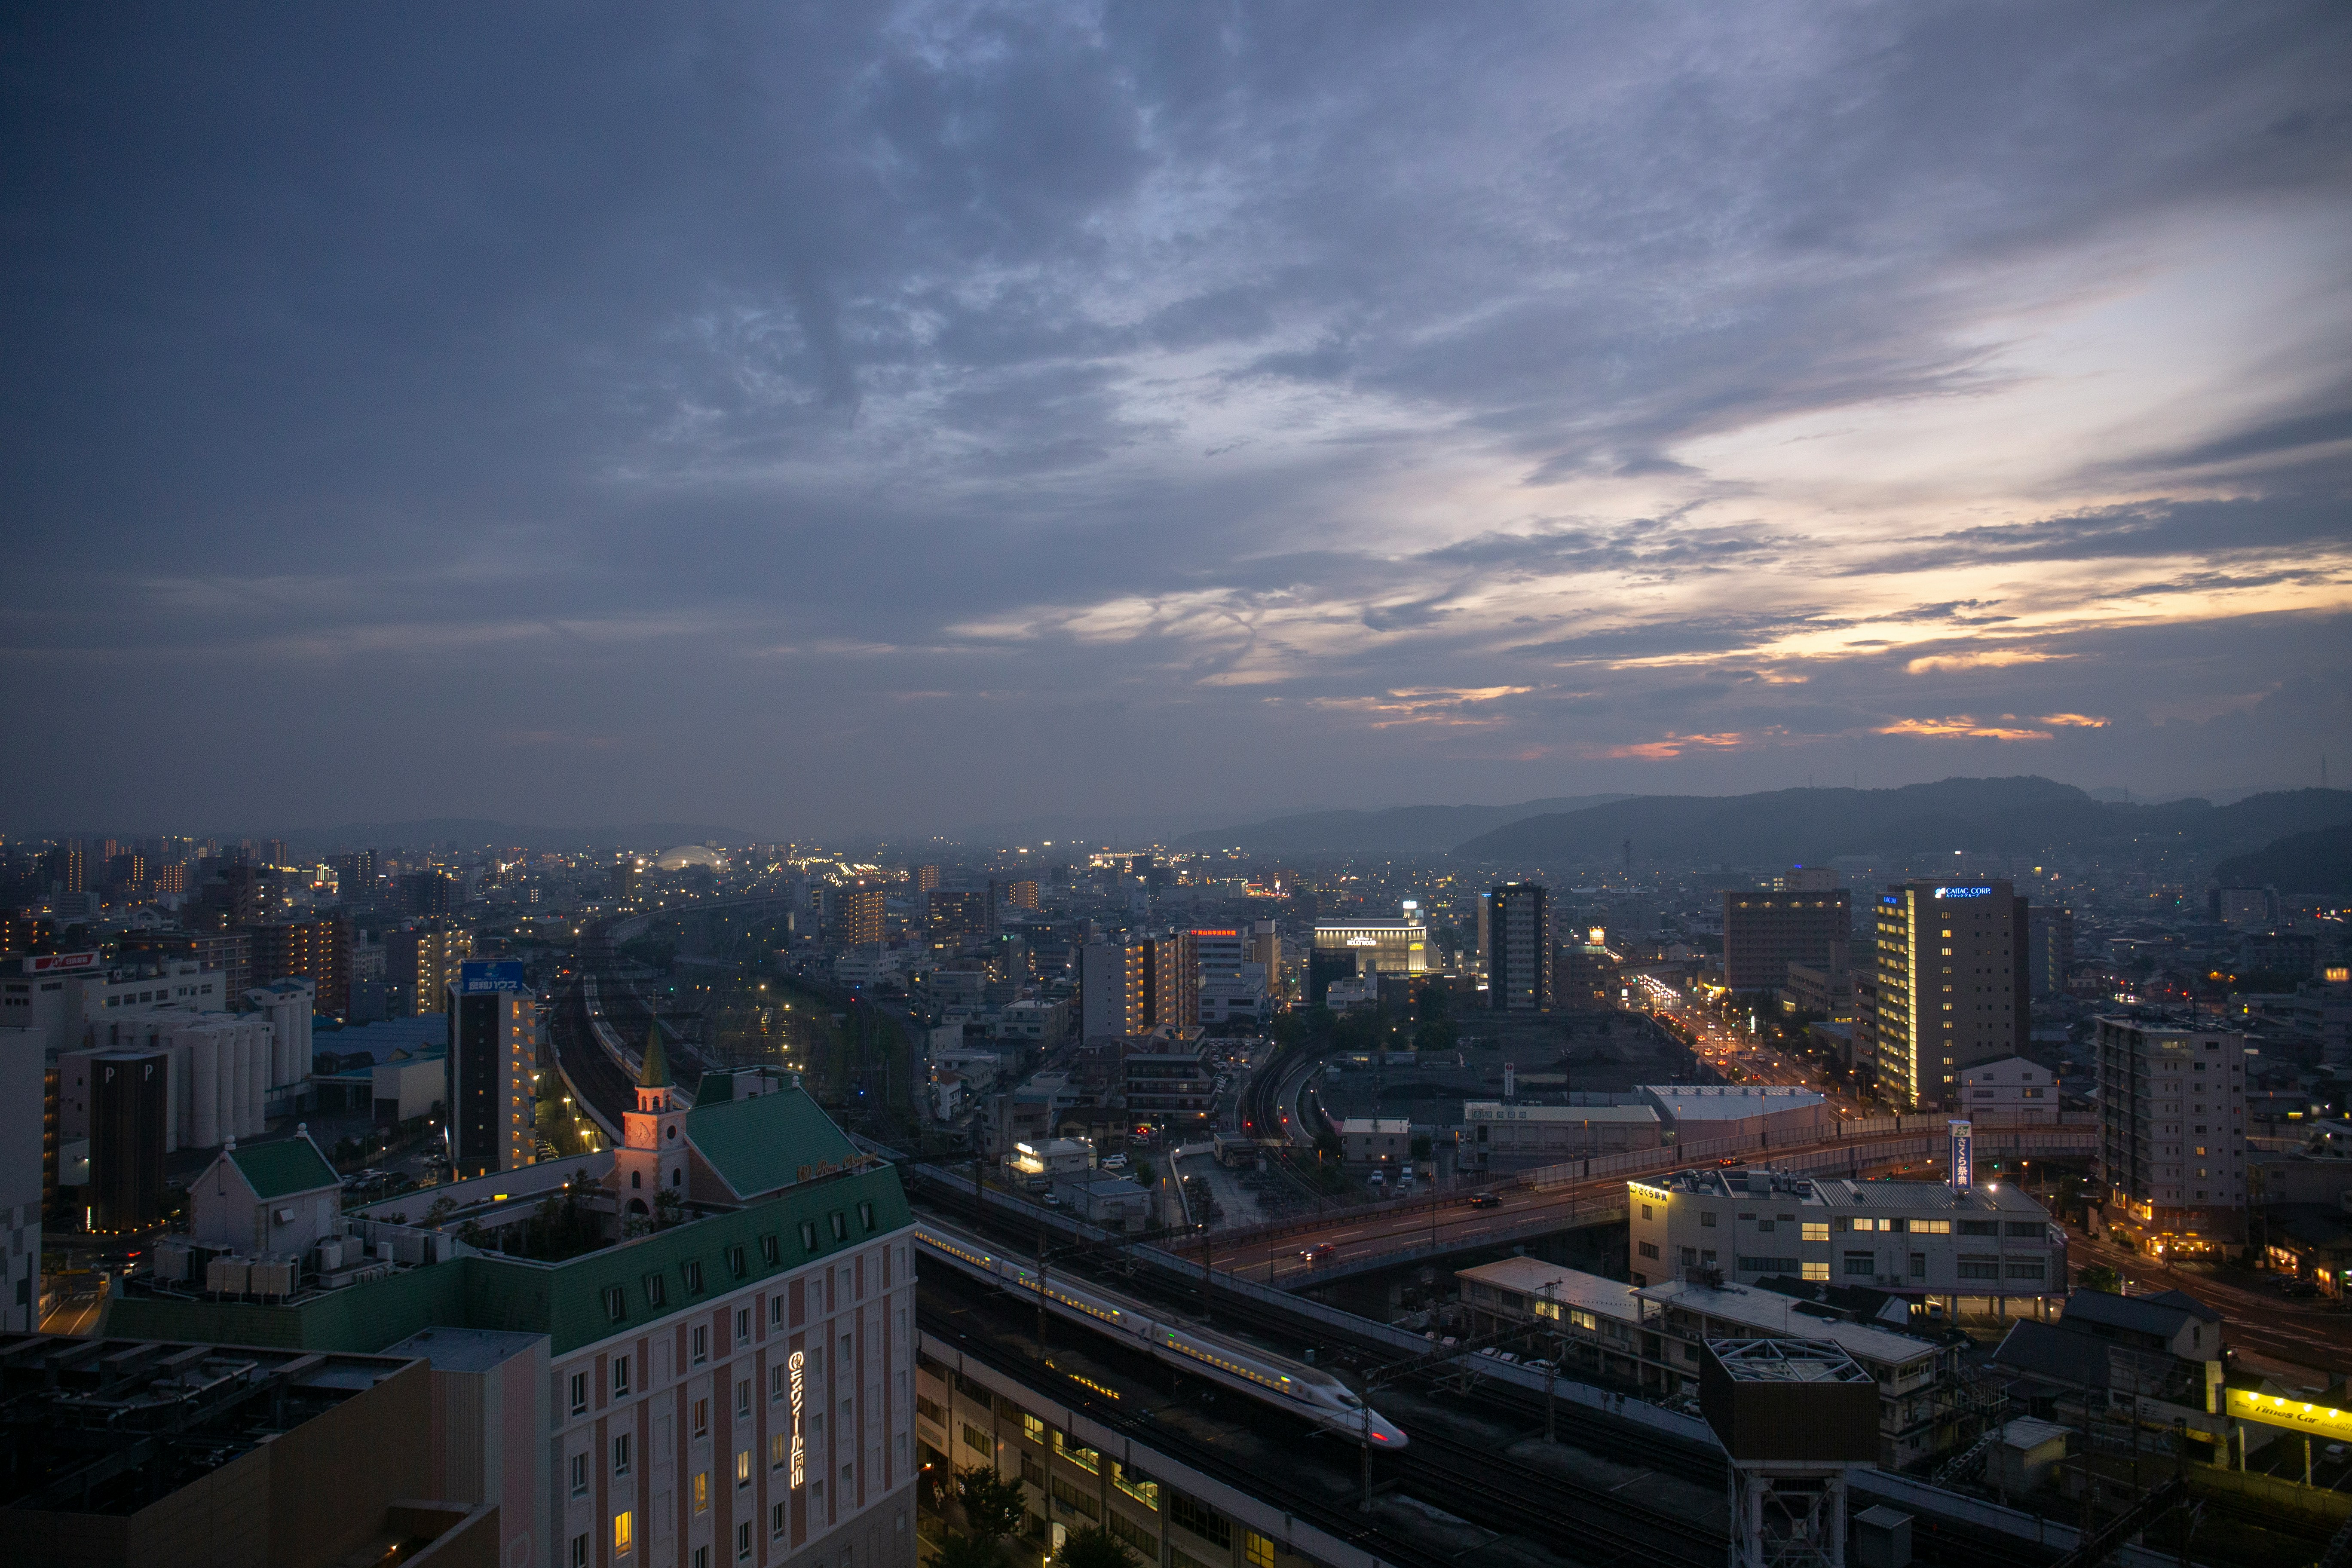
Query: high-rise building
(1518, 951)
(954, 915)
(273, 852)
(2048, 948)
(129, 1107)
(318, 950)
(28, 1165)
(1018, 894)
(419, 961)
(1765, 931)
(67, 869)
(427, 892)
(926, 878)
(1952, 984)
(2172, 1131)
(486, 1082)
(860, 917)
(1134, 985)
(355, 877)
(625, 878)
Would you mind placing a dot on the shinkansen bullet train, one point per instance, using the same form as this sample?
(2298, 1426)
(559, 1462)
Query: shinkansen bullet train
(1289, 1386)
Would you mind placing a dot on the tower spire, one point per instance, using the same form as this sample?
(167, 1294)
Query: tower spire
(653, 1069)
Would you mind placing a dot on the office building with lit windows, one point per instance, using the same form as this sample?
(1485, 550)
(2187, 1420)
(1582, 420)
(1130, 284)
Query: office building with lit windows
(1987, 1250)
(1952, 986)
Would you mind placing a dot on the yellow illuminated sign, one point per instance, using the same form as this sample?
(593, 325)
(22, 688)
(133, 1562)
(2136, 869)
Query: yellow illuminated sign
(2285, 1410)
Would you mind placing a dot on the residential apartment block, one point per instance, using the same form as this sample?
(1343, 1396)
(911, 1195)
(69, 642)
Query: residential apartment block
(2172, 1130)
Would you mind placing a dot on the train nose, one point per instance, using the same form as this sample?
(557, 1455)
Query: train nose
(1385, 1437)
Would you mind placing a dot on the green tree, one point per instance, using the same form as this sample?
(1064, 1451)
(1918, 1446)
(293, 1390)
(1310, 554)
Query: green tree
(957, 1549)
(1439, 1034)
(994, 1508)
(1094, 1548)
(2098, 1277)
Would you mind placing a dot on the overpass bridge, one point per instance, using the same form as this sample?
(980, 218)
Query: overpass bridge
(1369, 1238)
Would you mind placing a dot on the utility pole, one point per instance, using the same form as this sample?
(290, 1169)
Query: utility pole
(1042, 1354)
(1208, 1263)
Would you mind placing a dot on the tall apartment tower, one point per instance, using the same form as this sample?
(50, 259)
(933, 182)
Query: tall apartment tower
(1021, 893)
(420, 962)
(2172, 1130)
(1952, 984)
(318, 950)
(860, 917)
(2049, 948)
(486, 1086)
(953, 915)
(926, 878)
(1518, 951)
(1766, 930)
(1135, 984)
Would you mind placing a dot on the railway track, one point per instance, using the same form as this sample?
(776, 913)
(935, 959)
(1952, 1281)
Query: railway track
(1497, 1492)
(1315, 1507)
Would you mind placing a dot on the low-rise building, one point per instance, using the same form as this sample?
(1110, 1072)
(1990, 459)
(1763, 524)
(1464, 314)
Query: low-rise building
(1099, 1198)
(1926, 1403)
(1754, 1115)
(1991, 1250)
(1825, 993)
(1168, 1075)
(2010, 1084)
(1374, 1141)
(2161, 1357)
(1049, 1160)
(1500, 1136)
(278, 1199)
(1651, 1338)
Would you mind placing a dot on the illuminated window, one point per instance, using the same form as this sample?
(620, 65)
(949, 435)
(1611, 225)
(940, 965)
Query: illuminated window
(701, 1491)
(624, 1533)
(743, 1466)
(1260, 1548)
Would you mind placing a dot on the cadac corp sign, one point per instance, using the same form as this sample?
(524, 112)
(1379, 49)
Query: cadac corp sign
(1964, 893)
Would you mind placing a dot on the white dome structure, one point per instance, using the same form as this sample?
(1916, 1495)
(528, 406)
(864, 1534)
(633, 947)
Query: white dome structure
(685, 855)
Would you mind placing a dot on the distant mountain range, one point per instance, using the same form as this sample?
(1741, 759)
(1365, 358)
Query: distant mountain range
(2315, 862)
(1401, 830)
(2022, 816)
(470, 830)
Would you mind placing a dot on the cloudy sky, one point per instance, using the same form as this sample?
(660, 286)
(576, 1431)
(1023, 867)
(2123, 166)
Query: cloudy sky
(864, 418)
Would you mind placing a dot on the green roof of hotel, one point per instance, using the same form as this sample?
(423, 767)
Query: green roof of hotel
(286, 1165)
(768, 1142)
(746, 1141)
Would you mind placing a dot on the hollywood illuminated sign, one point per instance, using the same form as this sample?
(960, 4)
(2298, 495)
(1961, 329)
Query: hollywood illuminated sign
(1964, 893)
(799, 1449)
